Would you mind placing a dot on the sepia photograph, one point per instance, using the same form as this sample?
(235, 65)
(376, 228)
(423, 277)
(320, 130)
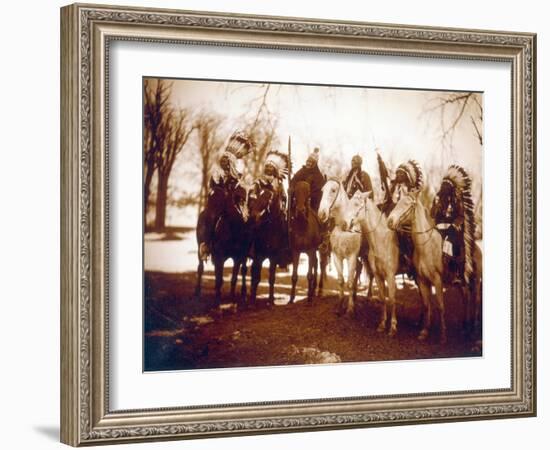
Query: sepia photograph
(293, 224)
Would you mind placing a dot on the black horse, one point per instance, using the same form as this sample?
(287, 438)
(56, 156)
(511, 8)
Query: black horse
(305, 237)
(269, 238)
(224, 224)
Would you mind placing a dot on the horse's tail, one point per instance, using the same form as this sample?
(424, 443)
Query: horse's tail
(458, 176)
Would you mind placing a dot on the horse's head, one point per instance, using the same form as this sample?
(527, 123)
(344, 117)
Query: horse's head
(301, 194)
(260, 203)
(216, 202)
(402, 213)
(231, 204)
(329, 204)
(238, 202)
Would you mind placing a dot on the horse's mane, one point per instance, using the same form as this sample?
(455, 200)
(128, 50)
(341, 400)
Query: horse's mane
(459, 178)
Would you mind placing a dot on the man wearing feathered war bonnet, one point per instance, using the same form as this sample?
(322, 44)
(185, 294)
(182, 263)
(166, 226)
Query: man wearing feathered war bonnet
(357, 179)
(451, 206)
(408, 176)
(226, 175)
(225, 178)
(311, 174)
(275, 171)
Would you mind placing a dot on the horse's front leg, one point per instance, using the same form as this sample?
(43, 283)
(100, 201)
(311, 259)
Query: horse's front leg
(234, 277)
(425, 295)
(390, 279)
(478, 296)
(256, 273)
(243, 284)
(323, 259)
(272, 274)
(294, 279)
(370, 277)
(311, 275)
(465, 292)
(358, 270)
(218, 271)
(315, 272)
(200, 271)
(351, 285)
(384, 315)
(441, 306)
(339, 265)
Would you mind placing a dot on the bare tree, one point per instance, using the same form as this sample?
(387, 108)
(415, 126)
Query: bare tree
(264, 136)
(207, 125)
(177, 130)
(453, 109)
(156, 107)
(261, 126)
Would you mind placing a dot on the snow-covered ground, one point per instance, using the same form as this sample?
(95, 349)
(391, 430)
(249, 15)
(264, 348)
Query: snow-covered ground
(176, 252)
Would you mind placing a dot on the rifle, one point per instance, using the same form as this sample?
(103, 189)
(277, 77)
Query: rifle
(289, 150)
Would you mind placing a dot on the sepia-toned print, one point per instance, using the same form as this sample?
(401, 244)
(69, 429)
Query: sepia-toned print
(291, 224)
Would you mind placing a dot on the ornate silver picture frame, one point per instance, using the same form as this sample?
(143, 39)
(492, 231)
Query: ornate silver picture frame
(87, 413)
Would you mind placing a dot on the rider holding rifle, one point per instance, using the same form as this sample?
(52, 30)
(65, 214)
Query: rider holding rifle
(311, 174)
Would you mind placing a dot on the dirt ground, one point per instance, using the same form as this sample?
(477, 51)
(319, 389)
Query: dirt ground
(183, 332)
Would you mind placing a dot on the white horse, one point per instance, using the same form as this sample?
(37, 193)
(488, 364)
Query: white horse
(383, 255)
(346, 245)
(428, 261)
(427, 256)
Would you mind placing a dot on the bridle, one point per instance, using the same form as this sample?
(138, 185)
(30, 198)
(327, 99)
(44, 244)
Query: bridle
(336, 196)
(379, 217)
(408, 212)
(243, 213)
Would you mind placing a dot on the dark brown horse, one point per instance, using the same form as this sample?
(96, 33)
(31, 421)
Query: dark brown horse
(269, 236)
(228, 212)
(305, 237)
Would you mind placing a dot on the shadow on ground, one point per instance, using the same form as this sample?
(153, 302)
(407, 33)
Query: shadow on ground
(185, 332)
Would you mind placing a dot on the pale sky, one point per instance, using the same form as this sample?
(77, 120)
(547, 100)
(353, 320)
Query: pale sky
(342, 121)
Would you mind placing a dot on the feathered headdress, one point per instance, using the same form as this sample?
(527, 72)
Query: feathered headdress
(240, 144)
(413, 172)
(462, 183)
(279, 161)
(459, 178)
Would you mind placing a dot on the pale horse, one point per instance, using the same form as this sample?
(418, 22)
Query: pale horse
(427, 256)
(346, 245)
(383, 255)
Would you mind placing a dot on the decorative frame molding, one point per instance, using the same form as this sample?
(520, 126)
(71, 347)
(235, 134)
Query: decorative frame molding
(86, 31)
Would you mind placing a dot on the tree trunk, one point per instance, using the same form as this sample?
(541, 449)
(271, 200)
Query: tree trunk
(149, 171)
(200, 201)
(162, 195)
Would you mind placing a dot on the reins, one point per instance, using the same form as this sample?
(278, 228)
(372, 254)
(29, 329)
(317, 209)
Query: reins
(336, 196)
(429, 230)
(377, 223)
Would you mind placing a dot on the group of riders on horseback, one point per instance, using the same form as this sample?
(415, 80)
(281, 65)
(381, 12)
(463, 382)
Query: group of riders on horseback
(259, 220)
